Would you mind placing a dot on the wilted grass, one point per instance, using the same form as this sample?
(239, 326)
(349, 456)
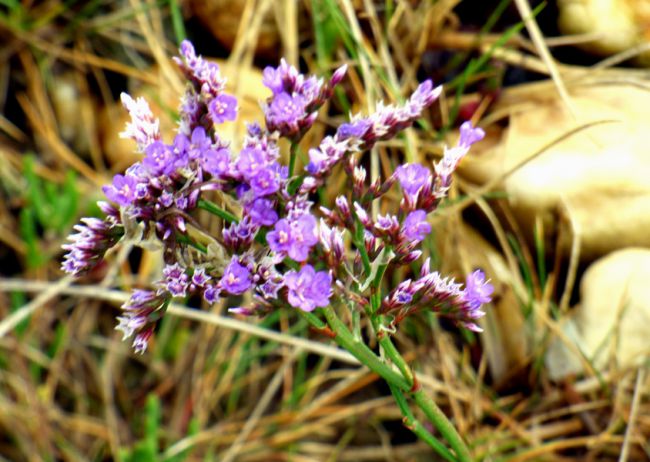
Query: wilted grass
(217, 388)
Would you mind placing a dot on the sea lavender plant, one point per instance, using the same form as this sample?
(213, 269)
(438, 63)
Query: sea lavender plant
(280, 247)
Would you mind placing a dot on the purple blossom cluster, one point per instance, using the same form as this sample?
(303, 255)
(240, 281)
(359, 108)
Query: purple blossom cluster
(292, 108)
(442, 295)
(274, 244)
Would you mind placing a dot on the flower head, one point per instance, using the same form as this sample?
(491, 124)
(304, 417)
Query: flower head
(477, 290)
(294, 238)
(308, 289)
(412, 178)
(452, 156)
(141, 312)
(122, 191)
(176, 281)
(223, 108)
(89, 244)
(415, 227)
(236, 278)
(286, 109)
(144, 128)
(262, 212)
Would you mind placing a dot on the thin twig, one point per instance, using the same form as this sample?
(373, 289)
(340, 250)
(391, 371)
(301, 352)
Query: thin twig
(62, 288)
(638, 391)
(261, 406)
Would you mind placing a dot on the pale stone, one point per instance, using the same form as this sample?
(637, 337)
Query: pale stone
(612, 321)
(614, 312)
(617, 25)
(597, 178)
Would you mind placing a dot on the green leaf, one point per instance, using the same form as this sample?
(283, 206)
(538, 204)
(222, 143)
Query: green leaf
(152, 421)
(17, 300)
(177, 21)
(29, 235)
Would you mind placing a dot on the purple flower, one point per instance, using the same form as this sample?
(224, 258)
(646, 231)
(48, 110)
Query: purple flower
(387, 120)
(330, 151)
(452, 156)
(272, 79)
(204, 74)
(200, 278)
(199, 143)
(412, 177)
(236, 278)
(141, 312)
(477, 290)
(159, 159)
(279, 238)
(401, 295)
(294, 238)
(216, 162)
(265, 182)
(122, 191)
(211, 293)
(308, 289)
(144, 128)
(470, 135)
(176, 281)
(251, 160)
(388, 224)
(262, 212)
(286, 109)
(223, 108)
(355, 129)
(415, 227)
(240, 235)
(88, 246)
(303, 234)
(423, 96)
(141, 340)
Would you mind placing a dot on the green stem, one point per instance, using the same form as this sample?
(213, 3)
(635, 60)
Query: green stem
(187, 240)
(218, 211)
(444, 426)
(424, 402)
(293, 153)
(360, 351)
(361, 247)
(366, 356)
(396, 358)
(416, 426)
(312, 319)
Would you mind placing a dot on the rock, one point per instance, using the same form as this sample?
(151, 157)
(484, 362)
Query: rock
(69, 103)
(223, 17)
(597, 178)
(617, 25)
(613, 318)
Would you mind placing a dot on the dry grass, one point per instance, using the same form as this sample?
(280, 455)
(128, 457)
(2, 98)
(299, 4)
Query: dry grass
(270, 389)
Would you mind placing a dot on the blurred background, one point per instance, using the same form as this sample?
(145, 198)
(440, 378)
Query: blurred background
(554, 205)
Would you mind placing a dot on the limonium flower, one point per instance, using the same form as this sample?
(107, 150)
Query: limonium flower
(308, 288)
(415, 227)
(236, 278)
(275, 243)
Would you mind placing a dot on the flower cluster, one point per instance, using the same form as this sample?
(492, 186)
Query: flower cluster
(275, 245)
(441, 295)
